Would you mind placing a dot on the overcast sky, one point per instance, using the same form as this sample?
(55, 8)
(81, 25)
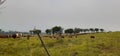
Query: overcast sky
(23, 15)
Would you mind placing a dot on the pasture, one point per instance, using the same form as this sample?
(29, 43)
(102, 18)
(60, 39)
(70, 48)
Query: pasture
(104, 44)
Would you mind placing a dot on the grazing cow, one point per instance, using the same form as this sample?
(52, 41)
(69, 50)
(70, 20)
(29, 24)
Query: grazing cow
(71, 36)
(54, 36)
(16, 35)
(4, 35)
(62, 37)
(48, 36)
(26, 35)
(92, 37)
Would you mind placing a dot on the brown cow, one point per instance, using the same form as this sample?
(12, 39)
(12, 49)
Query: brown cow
(48, 36)
(62, 37)
(16, 35)
(92, 37)
(4, 35)
(26, 35)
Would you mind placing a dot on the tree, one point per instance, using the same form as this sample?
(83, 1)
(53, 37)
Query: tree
(57, 30)
(97, 30)
(76, 30)
(102, 30)
(48, 31)
(2, 1)
(81, 30)
(92, 30)
(85, 30)
(0, 30)
(69, 31)
(31, 31)
(36, 31)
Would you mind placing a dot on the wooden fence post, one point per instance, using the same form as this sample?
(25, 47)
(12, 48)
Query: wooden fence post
(43, 44)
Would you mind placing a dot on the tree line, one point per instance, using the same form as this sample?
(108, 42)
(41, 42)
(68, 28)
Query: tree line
(11, 32)
(60, 30)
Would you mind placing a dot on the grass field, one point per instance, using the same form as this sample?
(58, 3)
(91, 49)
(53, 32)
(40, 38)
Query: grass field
(105, 44)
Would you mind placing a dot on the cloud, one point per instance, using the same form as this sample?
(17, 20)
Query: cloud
(67, 13)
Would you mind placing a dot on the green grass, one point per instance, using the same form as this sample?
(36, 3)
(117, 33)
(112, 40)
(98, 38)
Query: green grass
(105, 44)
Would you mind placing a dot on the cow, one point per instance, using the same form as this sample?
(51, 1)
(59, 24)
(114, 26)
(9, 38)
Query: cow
(16, 35)
(62, 37)
(92, 37)
(26, 35)
(4, 36)
(47, 36)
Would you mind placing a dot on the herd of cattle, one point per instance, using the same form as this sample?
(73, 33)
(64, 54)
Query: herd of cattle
(69, 36)
(16, 35)
(19, 35)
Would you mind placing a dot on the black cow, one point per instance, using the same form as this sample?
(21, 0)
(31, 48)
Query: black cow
(14, 36)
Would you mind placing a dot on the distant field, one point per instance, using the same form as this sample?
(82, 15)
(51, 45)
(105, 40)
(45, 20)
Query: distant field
(105, 44)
